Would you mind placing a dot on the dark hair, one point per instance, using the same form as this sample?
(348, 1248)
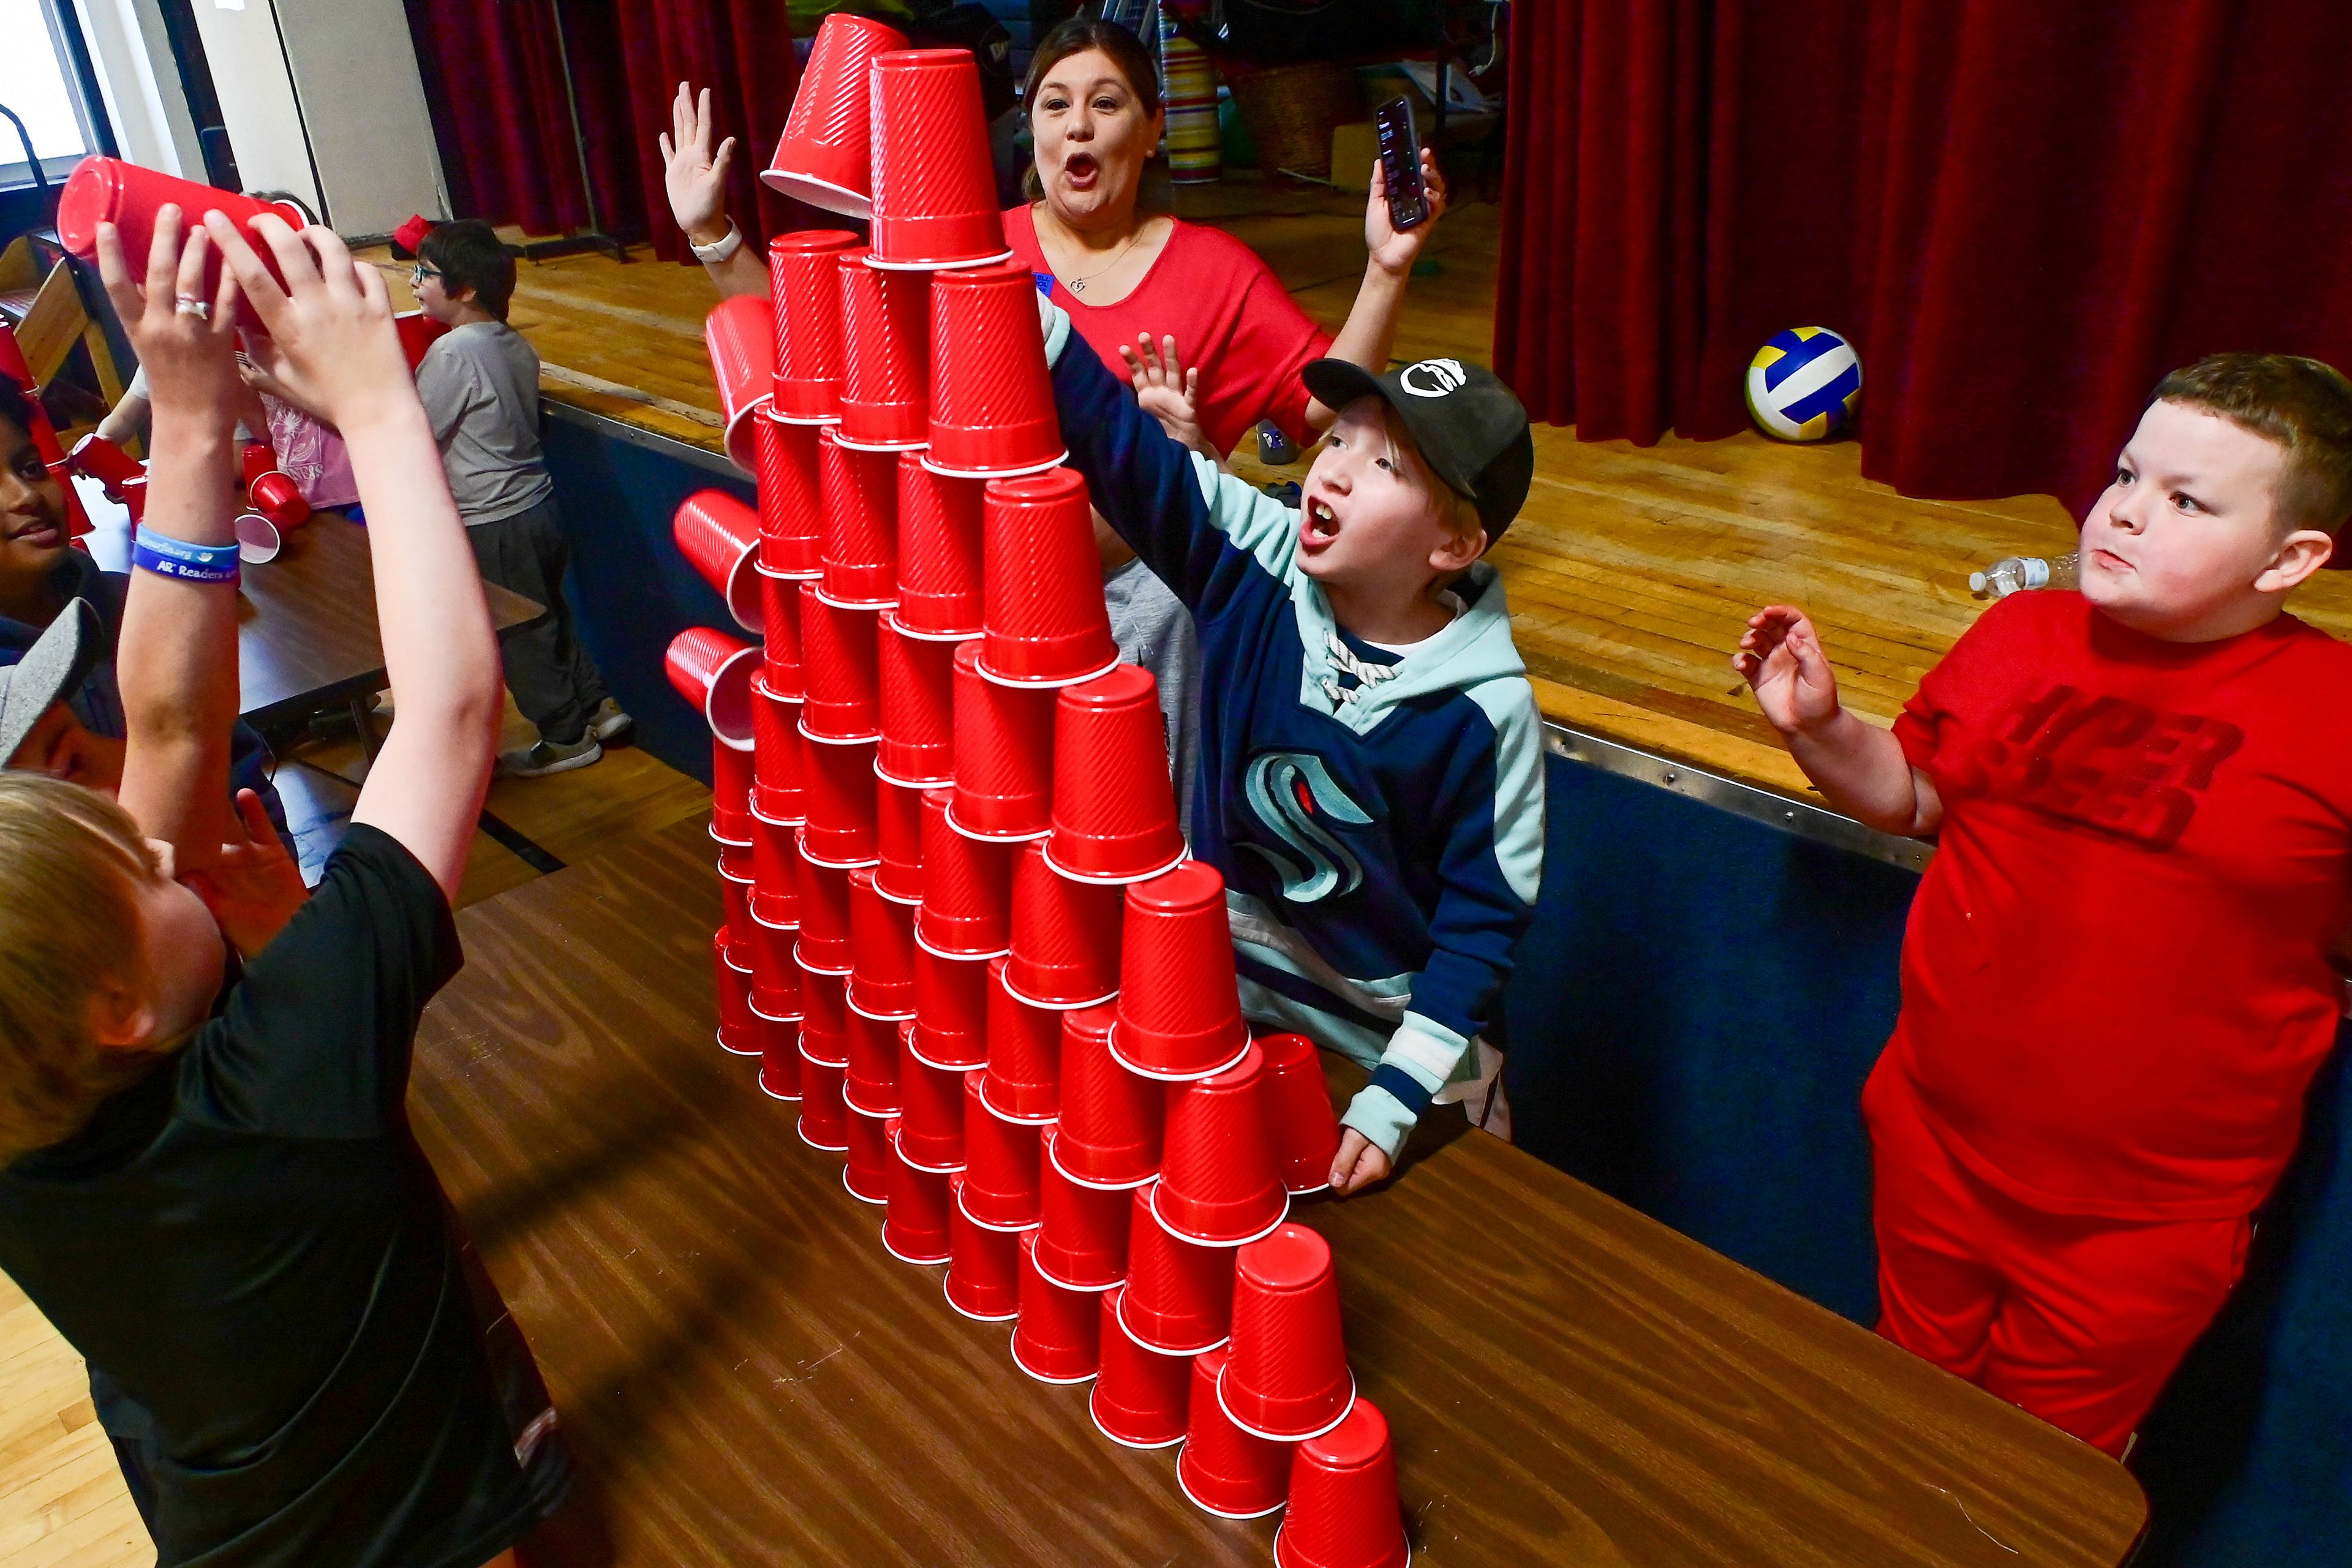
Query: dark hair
(1075, 36)
(468, 254)
(2304, 405)
(16, 404)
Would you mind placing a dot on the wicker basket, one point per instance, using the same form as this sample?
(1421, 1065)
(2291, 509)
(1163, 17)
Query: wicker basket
(1290, 111)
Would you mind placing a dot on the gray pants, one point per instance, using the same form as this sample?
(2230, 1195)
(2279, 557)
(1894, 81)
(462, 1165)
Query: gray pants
(553, 680)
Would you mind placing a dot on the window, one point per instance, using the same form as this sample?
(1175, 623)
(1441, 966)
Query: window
(40, 81)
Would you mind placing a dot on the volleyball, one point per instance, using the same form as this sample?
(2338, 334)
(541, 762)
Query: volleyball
(1802, 385)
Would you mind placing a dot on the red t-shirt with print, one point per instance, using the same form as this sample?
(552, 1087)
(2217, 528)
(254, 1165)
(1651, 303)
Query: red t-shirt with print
(2115, 979)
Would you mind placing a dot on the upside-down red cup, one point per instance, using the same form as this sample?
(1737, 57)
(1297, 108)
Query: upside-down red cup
(931, 1110)
(276, 497)
(1024, 1081)
(735, 894)
(780, 1058)
(1298, 1114)
(1044, 620)
(967, 909)
(730, 791)
(1179, 1294)
(1287, 1378)
(983, 1263)
(837, 657)
(779, 755)
(939, 552)
(881, 951)
(741, 336)
(107, 190)
(1058, 1336)
(934, 188)
(775, 873)
(418, 332)
(899, 840)
(914, 1230)
(1000, 1164)
(823, 158)
(860, 548)
(824, 915)
(992, 399)
(825, 1118)
(719, 537)
(950, 1009)
(1223, 1469)
(738, 862)
(1180, 1007)
(1003, 755)
(1081, 1230)
(917, 679)
(791, 498)
(867, 1173)
(886, 372)
(1114, 803)
(1343, 1510)
(805, 282)
(824, 1017)
(1065, 936)
(713, 671)
(1141, 1395)
(737, 1033)
(1219, 1182)
(871, 1081)
(841, 829)
(775, 977)
(1111, 1119)
(780, 634)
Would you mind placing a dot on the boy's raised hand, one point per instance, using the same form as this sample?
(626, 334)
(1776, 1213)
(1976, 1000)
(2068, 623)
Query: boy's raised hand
(1780, 657)
(1358, 1164)
(187, 342)
(328, 340)
(694, 175)
(1168, 390)
(1394, 251)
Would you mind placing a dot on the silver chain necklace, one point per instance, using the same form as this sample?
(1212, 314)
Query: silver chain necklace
(1078, 285)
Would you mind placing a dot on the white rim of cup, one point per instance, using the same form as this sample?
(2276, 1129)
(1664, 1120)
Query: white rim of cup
(980, 838)
(1100, 880)
(957, 957)
(1052, 1153)
(1186, 1487)
(948, 473)
(940, 1067)
(1040, 1376)
(1290, 1437)
(1120, 1315)
(808, 968)
(785, 182)
(800, 1131)
(841, 440)
(1206, 1241)
(890, 778)
(1111, 1044)
(1040, 683)
(946, 1288)
(853, 1193)
(1095, 1417)
(842, 1066)
(953, 264)
(1002, 1115)
(772, 1094)
(990, 1224)
(917, 1262)
(1051, 1279)
(1053, 1007)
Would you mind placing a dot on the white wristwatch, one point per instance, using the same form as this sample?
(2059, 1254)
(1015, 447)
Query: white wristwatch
(719, 250)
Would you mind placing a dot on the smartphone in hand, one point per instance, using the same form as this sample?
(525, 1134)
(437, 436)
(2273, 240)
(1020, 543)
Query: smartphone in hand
(1401, 164)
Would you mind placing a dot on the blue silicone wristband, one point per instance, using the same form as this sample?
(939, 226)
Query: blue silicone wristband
(182, 551)
(149, 559)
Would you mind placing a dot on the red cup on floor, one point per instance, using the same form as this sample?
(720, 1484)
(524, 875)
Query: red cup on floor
(1000, 1164)
(837, 656)
(779, 755)
(741, 336)
(1081, 1230)
(775, 977)
(934, 189)
(107, 190)
(867, 1173)
(1179, 1294)
(1044, 621)
(775, 873)
(1219, 1182)
(967, 909)
(983, 1264)
(950, 1009)
(780, 634)
(792, 501)
(1111, 1119)
(1114, 803)
(1025, 1053)
(1298, 1114)
(719, 537)
(1180, 1008)
(871, 1081)
(1223, 1469)
(824, 1015)
(841, 828)
(939, 552)
(1065, 936)
(1287, 1378)
(713, 671)
(992, 399)
(899, 840)
(824, 915)
(824, 1119)
(1343, 1508)
(886, 372)
(1003, 755)
(881, 951)
(805, 282)
(860, 548)
(930, 1111)
(914, 1230)
(1142, 1396)
(779, 1059)
(917, 679)
(1057, 1339)
(823, 157)
(733, 988)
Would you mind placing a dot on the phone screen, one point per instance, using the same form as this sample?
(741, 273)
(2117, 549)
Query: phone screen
(1400, 163)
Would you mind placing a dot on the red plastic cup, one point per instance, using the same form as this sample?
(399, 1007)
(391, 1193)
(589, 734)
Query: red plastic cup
(899, 840)
(930, 1111)
(1179, 1294)
(1111, 1120)
(737, 897)
(824, 1017)
(950, 1010)
(967, 909)
(916, 680)
(779, 1059)
(276, 497)
(1298, 1114)
(1223, 1469)
(837, 656)
(780, 633)
(860, 538)
(805, 282)
(737, 1033)
(1343, 1508)
(938, 552)
(741, 336)
(823, 157)
(1288, 1378)
(779, 755)
(1114, 803)
(1219, 1182)
(992, 399)
(112, 467)
(871, 1081)
(1081, 1230)
(1179, 1006)
(1140, 1398)
(731, 792)
(418, 332)
(738, 863)
(1065, 936)
(824, 915)
(775, 872)
(1058, 1336)
(841, 829)
(792, 501)
(713, 671)
(775, 977)
(1024, 1081)
(1003, 755)
(934, 189)
(1000, 1164)
(983, 1263)
(885, 336)
(1044, 620)
(825, 1118)
(107, 190)
(914, 1230)
(719, 537)
(881, 951)
(867, 1173)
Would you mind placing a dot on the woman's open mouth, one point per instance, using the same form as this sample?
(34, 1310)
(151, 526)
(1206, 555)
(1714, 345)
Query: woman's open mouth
(1080, 170)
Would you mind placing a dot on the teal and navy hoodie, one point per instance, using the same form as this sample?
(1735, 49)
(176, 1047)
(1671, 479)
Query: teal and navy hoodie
(1377, 818)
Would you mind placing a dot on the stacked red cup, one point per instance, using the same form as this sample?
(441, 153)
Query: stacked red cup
(886, 330)
(719, 536)
(934, 197)
(741, 337)
(823, 158)
(803, 275)
(1343, 1510)
(713, 671)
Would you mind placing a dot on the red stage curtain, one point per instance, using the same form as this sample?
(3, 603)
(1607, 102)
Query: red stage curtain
(2022, 214)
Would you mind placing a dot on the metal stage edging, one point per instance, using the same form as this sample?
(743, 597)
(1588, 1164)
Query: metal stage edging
(638, 435)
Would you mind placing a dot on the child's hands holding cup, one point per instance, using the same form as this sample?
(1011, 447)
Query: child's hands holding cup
(328, 341)
(184, 332)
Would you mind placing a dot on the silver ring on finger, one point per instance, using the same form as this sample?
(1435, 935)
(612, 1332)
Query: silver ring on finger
(187, 305)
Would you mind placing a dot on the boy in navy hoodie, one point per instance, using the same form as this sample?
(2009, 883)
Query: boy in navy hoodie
(1371, 777)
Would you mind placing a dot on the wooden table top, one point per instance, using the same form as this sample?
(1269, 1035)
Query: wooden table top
(746, 1376)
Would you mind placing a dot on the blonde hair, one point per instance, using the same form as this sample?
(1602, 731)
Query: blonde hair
(1457, 512)
(69, 923)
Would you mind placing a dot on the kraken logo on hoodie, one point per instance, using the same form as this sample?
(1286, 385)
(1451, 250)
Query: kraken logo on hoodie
(1288, 790)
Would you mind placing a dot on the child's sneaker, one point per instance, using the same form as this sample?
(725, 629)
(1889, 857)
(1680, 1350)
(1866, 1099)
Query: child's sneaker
(608, 723)
(547, 757)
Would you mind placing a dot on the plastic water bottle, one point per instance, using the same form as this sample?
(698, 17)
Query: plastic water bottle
(2012, 572)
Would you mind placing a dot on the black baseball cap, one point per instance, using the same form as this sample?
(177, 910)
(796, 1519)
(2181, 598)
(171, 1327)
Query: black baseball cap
(52, 670)
(1471, 430)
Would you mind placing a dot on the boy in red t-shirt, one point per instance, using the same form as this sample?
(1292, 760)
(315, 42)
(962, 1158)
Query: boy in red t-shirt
(2116, 982)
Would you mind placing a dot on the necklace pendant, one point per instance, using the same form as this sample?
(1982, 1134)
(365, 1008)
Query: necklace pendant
(1076, 287)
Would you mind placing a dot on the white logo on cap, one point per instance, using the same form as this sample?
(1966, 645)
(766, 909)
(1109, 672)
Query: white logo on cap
(1433, 377)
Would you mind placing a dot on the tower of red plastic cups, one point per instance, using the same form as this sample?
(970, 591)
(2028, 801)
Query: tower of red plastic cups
(741, 337)
(1110, 1127)
(1001, 1158)
(992, 399)
(1023, 1079)
(983, 1278)
(1066, 936)
(803, 275)
(1343, 1510)
(1220, 1184)
(934, 190)
(886, 331)
(1043, 618)
(823, 158)
(1081, 1231)
(938, 552)
(1180, 1012)
(860, 533)
(1004, 754)
(1223, 1469)
(1114, 803)
(915, 1228)
(1287, 1377)
(1057, 1338)
(713, 672)
(719, 536)
(1142, 1396)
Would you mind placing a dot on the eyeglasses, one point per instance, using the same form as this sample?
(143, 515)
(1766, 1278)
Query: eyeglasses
(418, 274)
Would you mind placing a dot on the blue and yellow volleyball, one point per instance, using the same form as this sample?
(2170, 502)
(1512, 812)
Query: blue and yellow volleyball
(1803, 384)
